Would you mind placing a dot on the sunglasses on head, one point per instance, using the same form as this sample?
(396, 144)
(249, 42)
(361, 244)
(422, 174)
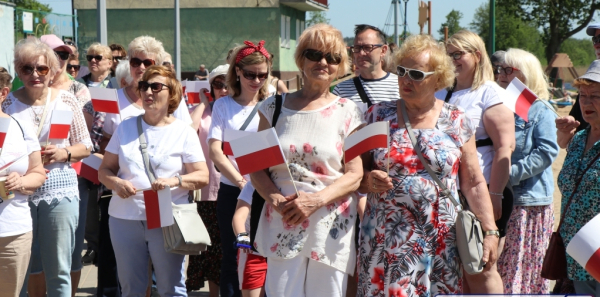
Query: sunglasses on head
(41, 70)
(155, 86)
(62, 55)
(414, 74)
(135, 62)
(596, 39)
(91, 57)
(218, 85)
(456, 55)
(251, 75)
(76, 67)
(316, 56)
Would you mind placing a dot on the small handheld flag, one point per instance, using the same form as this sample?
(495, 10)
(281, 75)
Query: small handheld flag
(159, 208)
(89, 168)
(105, 100)
(585, 247)
(370, 137)
(193, 90)
(228, 136)
(257, 151)
(519, 98)
(60, 124)
(4, 125)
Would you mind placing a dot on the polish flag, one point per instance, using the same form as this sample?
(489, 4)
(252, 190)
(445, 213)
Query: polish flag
(585, 247)
(183, 86)
(373, 136)
(159, 210)
(257, 151)
(230, 135)
(193, 90)
(4, 124)
(77, 167)
(60, 124)
(89, 168)
(105, 100)
(519, 98)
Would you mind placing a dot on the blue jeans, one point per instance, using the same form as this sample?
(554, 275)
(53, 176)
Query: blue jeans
(227, 197)
(84, 194)
(54, 228)
(134, 246)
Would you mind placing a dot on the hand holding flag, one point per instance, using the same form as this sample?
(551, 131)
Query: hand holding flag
(193, 90)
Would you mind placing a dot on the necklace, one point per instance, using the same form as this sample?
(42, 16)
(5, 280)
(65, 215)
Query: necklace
(36, 116)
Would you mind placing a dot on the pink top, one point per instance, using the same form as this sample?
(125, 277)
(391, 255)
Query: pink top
(209, 193)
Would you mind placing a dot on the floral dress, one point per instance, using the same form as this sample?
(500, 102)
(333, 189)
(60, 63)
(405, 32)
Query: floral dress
(312, 143)
(407, 238)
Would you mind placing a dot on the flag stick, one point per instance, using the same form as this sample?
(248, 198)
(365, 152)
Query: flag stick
(137, 191)
(291, 177)
(549, 106)
(388, 149)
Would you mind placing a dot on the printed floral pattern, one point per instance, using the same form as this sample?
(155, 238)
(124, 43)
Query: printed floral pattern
(407, 238)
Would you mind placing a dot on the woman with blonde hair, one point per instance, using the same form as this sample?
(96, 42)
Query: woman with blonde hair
(531, 223)
(100, 62)
(476, 92)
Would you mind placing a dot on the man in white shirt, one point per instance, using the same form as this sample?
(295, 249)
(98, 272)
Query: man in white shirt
(369, 51)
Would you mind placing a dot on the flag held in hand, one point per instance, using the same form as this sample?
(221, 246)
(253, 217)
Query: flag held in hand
(370, 137)
(159, 210)
(105, 100)
(193, 90)
(228, 136)
(257, 151)
(60, 124)
(89, 168)
(4, 124)
(585, 247)
(519, 98)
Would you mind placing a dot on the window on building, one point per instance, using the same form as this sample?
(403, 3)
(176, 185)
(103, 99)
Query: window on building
(283, 39)
(288, 21)
(298, 31)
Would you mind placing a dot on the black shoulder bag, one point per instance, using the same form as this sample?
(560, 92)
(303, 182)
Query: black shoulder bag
(361, 91)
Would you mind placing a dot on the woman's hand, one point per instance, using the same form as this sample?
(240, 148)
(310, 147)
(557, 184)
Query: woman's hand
(52, 154)
(379, 181)
(490, 250)
(299, 208)
(124, 188)
(13, 182)
(161, 183)
(565, 127)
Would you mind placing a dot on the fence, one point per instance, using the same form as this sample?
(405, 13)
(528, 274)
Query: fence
(62, 25)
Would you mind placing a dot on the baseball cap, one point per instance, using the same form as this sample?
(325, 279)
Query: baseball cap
(54, 42)
(220, 70)
(591, 29)
(593, 73)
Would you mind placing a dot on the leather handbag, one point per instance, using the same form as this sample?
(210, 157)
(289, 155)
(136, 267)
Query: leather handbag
(187, 235)
(469, 234)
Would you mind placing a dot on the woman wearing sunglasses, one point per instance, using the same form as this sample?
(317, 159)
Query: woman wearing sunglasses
(207, 266)
(100, 61)
(176, 158)
(481, 98)
(55, 205)
(308, 240)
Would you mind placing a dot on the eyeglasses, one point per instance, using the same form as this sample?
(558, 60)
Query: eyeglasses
(365, 47)
(41, 70)
(155, 86)
(505, 70)
(62, 55)
(135, 62)
(596, 39)
(166, 64)
(69, 42)
(76, 67)
(456, 55)
(316, 56)
(117, 58)
(251, 75)
(91, 57)
(218, 85)
(414, 74)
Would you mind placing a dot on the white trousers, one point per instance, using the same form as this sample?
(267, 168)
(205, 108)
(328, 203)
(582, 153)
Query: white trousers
(301, 277)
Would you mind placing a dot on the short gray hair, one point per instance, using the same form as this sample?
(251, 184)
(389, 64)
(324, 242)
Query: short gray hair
(122, 71)
(146, 45)
(29, 49)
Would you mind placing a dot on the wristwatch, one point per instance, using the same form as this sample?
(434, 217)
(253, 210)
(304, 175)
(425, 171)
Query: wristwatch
(68, 155)
(492, 232)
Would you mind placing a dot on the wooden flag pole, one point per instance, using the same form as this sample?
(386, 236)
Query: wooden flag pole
(291, 177)
(549, 106)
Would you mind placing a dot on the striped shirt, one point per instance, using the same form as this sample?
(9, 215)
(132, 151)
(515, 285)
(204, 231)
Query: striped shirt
(378, 90)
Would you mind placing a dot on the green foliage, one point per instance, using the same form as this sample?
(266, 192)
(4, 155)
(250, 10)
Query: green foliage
(581, 51)
(453, 23)
(317, 17)
(32, 5)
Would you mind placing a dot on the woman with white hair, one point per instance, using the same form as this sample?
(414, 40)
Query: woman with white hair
(100, 60)
(531, 222)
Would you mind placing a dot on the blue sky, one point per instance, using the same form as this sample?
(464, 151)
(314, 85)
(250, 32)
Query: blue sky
(344, 14)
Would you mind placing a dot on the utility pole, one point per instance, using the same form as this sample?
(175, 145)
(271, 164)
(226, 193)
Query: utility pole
(177, 52)
(492, 41)
(101, 24)
(396, 38)
(405, 5)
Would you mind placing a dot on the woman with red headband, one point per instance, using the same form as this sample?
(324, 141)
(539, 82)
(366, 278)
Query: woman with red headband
(238, 111)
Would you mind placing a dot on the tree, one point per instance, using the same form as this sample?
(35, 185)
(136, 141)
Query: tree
(317, 17)
(453, 23)
(32, 5)
(559, 19)
(581, 51)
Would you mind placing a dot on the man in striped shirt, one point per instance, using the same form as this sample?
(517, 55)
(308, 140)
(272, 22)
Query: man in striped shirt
(369, 51)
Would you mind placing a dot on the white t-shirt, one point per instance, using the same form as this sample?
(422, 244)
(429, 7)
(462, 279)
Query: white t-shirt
(130, 109)
(475, 103)
(228, 114)
(15, 216)
(168, 148)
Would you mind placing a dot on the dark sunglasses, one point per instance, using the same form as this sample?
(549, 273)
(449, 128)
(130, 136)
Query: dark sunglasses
(414, 74)
(505, 70)
(365, 47)
(456, 55)
(91, 57)
(251, 75)
(76, 67)
(62, 55)
(69, 42)
(135, 62)
(596, 39)
(40, 70)
(117, 58)
(155, 86)
(218, 85)
(316, 56)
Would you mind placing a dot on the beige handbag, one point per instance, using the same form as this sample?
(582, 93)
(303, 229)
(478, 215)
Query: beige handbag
(469, 235)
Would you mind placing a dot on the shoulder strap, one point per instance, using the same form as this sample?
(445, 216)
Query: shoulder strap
(23, 133)
(43, 120)
(450, 91)
(144, 150)
(278, 104)
(251, 116)
(361, 91)
(445, 191)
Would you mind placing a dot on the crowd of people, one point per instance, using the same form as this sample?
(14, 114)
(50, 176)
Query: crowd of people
(319, 224)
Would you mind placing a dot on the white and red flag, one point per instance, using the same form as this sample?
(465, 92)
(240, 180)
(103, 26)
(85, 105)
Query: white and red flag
(159, 208)
(230, 135)
(585, 247)
(4, 125)
(89, 168)
(519, 98)
(105, 100)
(370, 137)
(257, 151)
(193, 90)
(60, 124)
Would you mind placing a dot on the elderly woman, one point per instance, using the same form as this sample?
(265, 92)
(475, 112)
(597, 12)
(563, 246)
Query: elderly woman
(100, 61)
(481, 98)
(414, 252)
(532, 220)
(54, 206)
(176, 157)
(22, 178)
(579, 188)
(308, 238)
(207, 266)
(246, 80)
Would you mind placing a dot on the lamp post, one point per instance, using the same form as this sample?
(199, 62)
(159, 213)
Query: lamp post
(492, 41)
(396, 39)
(404, 35)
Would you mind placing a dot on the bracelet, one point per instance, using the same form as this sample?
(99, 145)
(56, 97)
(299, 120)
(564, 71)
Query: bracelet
(179, 178)
(496, 194)
(492, 232)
